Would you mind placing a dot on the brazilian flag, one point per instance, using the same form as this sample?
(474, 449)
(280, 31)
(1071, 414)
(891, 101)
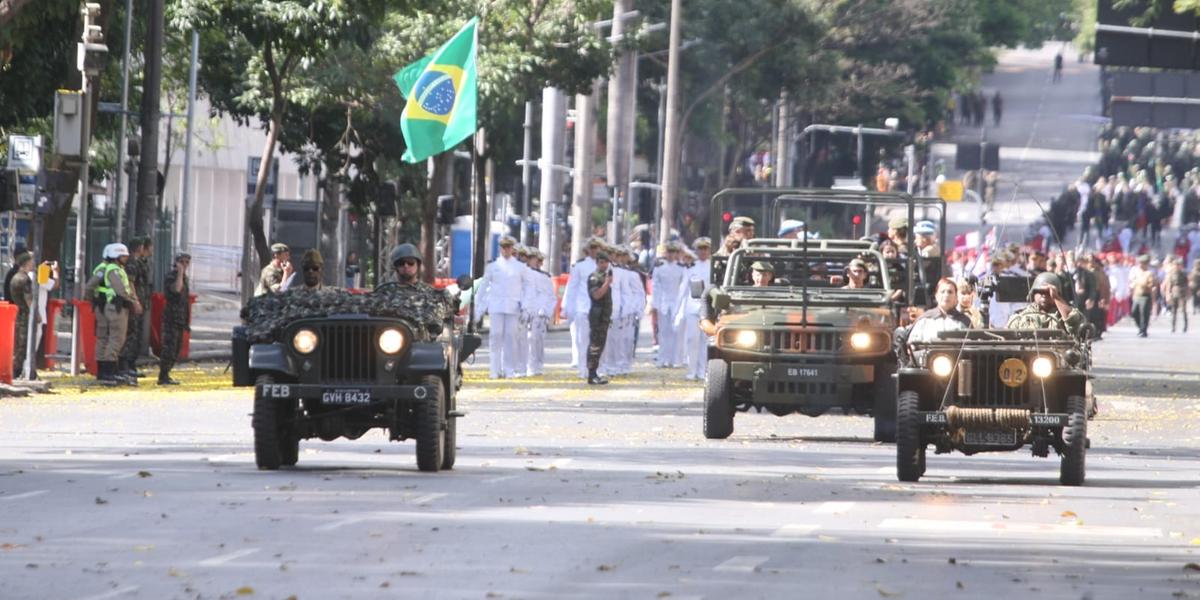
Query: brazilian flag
(441, 93)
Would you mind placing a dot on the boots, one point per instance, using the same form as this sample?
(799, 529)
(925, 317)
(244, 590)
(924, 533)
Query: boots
(120, 377)
(105, 373)
(164, 378)
(594, 379)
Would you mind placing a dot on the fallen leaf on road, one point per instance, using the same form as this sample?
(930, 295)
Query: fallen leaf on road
(144, 474)
(952, 561)
(8, 546)
(1069, 514)
(960, 585)
(884, 592)
(245, 590)
(606, 568)
(1191, 567)
(100, 500)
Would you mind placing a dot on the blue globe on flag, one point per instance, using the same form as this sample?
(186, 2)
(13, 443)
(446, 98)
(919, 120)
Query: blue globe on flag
(435, 92)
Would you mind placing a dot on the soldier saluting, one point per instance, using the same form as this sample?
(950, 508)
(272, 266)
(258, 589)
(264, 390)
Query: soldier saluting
(276, 272)
(176, 317)
(599, 287)
(1047, 309)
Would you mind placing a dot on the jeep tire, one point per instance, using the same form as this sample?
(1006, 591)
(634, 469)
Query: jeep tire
(428, 417)
(910, 450)
(289, 439)
(884, 410)
(1074, 437)
(718, 401)
(265, 421)
(451, 437)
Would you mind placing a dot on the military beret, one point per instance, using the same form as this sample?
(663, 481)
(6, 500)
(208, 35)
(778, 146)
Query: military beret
(507, 242)
(312, 257)
(762, 265)
(702, 242)
(898, 223)
(277, 248)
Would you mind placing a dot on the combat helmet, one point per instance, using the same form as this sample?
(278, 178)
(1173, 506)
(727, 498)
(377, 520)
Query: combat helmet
(1043, 281)
(404, 251)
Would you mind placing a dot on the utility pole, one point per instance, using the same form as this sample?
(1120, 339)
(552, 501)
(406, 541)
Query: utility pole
(674, 137)
(147, 205)
(585, 158)
(121, 181)
(185, 208)
(554, 116)
(622, 93)
(526, 172)
(783, 142)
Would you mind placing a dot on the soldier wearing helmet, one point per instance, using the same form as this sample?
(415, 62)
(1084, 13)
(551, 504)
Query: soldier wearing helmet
(1047, 309)
(112, 295)
(406, 260)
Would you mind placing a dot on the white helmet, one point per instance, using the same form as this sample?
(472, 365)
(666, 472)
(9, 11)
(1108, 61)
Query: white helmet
(115, 251)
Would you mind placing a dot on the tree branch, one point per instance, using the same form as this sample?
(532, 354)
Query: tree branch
(10, 8)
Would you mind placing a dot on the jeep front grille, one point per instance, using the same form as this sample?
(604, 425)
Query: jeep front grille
(821, 342)
(986, 388)
(347, 352)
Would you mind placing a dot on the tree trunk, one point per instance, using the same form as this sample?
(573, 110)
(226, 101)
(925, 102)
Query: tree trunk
(254, 213)
(440, 182)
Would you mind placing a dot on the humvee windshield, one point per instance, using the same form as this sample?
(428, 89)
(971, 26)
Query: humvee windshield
(822, 272)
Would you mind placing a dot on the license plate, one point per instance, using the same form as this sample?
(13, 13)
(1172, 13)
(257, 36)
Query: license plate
(991, 438)
(346, 397)
(803, 372)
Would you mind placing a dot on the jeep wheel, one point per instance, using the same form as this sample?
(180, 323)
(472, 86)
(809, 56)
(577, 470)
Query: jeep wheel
(910, 451)
(428, 417)
(289, 440)
(718, 405)
(266, 428)
(1074, 442)
(448, 450)
(884, 392)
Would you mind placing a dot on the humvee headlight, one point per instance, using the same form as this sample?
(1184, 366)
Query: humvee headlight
(1042, 367)
(746, 338)
(305, 341)
(391, 341)
(941, 366)
(860, 340)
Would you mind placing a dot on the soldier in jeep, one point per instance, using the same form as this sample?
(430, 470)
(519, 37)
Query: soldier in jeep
(1047, 309)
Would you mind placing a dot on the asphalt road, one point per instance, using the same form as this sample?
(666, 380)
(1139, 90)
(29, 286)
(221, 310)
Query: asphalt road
(567, 491)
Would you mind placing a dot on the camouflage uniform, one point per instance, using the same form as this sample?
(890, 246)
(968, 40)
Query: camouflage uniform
(22, 295)
(138, 272)
(599, 318)
(270, 280)
(1032, 317)
(176, 320)
(266, 316)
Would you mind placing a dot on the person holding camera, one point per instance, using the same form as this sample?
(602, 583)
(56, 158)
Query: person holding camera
(112, 295)
(176, 317)
(599, 286)
(276, 272)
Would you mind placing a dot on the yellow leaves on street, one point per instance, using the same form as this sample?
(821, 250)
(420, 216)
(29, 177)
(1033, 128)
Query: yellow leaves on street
(245, 590)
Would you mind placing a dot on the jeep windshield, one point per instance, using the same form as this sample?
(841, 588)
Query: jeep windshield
(822, 273)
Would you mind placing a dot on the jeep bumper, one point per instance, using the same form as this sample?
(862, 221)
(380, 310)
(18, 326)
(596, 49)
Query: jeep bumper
(802, 384)
(345, 395)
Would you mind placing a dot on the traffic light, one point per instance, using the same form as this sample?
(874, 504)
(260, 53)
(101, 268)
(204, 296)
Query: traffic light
(446, 210)
(726, 216)
(92, 53)
(856, 220)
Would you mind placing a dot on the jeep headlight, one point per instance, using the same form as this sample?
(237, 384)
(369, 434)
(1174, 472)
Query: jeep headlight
(746, 338)
(860, 340)
(305, 341)
(391, 341)
(1042, 367)
(941, 365)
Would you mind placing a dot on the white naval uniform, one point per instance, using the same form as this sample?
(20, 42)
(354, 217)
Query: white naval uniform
(695, 343)
(637, 308)
(666, 280)
(520, 347)
(576, 305)
(538, 306)
(610, 358)
(500, 298)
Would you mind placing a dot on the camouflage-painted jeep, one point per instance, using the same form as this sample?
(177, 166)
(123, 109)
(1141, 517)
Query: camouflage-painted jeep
(804, 344)
(332, 364)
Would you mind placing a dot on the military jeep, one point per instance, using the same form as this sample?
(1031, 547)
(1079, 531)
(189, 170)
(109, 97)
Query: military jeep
(995, 390)
(333, 364)
(804, 344)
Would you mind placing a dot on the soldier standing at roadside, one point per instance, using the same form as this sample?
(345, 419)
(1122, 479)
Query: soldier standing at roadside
(138, 271)
(21, 294)
(111, 295)
(176, 317)
(599, 286)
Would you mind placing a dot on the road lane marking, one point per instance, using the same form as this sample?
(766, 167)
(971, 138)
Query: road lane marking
(427, 498)
(113, 594)
(24, 495)
(742, 564)
(339, 524)
(560, 463)
(795, 530)
(930, 525)
(834, 508)
(217, 561)
(499, 479)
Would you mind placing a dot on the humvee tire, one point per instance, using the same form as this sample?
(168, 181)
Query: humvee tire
(718, 406)
(427, 421)
(910, 452)
(265, 421)
(1075, 442)
(448, 449)
(884, 392)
